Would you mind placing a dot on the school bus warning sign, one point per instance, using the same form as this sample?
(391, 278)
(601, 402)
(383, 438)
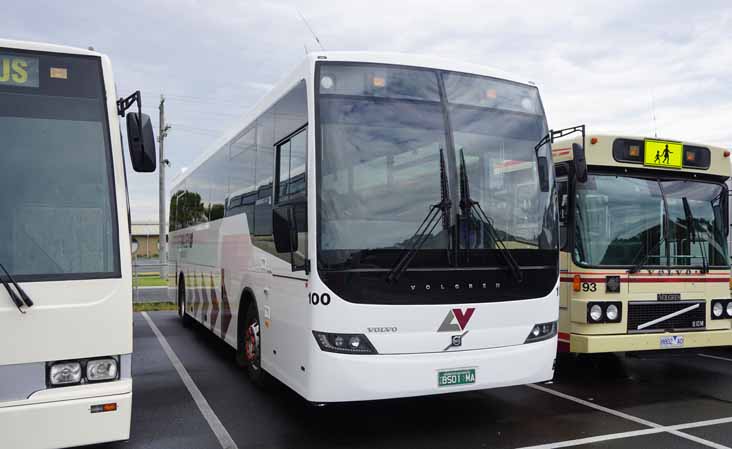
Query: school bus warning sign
(662, 153)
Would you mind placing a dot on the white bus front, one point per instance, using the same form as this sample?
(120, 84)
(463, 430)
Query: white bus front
(65, 298)
(435, 262)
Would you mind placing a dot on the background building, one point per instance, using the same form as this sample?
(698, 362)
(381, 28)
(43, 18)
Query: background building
(146, 236)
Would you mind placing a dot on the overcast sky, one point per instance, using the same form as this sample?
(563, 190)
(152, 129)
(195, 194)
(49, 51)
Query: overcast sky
(602, 63)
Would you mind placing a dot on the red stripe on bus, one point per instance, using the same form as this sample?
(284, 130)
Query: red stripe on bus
(655, 279)
(625, 273)
(562, 346)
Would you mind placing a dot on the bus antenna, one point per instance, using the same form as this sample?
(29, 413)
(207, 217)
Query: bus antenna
(653, 115)
(315, 36)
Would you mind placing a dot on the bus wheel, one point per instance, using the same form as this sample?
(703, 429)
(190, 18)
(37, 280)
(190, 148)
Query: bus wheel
(185, 320)
(249, 353)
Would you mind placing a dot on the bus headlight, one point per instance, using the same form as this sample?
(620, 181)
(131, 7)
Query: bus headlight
(101, 369)
(595, 313)
(65, 373)
(604, 312)
(542, 331)
(344, 343)
(718, 309)
(729, 309)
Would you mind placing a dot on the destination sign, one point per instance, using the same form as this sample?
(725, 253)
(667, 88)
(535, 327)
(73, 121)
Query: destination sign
(19, 71)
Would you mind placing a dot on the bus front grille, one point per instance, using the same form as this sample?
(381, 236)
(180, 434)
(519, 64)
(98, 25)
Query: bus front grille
(648, 316)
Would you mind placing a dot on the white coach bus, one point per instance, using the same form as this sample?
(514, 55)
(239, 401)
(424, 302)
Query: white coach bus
(65, 274)
(378, 226)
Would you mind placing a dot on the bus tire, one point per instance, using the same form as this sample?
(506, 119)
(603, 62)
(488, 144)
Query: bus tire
(249, 348)
(185, 320)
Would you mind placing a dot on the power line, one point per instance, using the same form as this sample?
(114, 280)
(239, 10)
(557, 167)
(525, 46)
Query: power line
(193, 99)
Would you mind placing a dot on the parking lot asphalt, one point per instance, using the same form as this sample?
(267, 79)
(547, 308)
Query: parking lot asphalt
(192, 395)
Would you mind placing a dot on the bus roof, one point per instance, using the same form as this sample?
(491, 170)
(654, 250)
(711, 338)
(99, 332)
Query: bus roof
(600, 154)
(42, 46)
(305, 68)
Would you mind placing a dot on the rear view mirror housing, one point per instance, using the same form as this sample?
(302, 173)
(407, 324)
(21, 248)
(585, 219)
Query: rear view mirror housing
(284, 229)
(543, 173)
(141, 142)
(580, 163)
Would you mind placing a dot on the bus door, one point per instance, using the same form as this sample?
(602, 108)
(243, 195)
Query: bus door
(288, 297)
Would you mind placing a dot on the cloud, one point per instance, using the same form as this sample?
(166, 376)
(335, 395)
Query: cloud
(596, 62)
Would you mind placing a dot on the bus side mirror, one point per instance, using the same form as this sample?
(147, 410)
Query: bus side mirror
(141, 142)
(284, 229)
(543, 173)
(580, 163)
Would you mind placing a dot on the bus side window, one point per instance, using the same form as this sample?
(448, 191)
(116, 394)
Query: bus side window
(263, 211)
(563, 198)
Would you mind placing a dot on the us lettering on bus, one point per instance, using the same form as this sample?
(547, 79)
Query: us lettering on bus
(14, 70)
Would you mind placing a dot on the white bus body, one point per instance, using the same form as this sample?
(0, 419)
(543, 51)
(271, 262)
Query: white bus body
(66, 244)
(364, 144)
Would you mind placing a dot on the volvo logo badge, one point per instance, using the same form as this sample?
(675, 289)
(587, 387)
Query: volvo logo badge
(456, 341)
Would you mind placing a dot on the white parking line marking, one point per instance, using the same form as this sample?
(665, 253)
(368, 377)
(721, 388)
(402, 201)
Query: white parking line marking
(715, 357)
(595, 406)
(632, 433)
(597, 439)
(655, 428)
(213, 421)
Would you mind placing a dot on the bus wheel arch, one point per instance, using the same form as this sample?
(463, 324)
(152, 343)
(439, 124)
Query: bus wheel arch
(246, 299)
(248, 351)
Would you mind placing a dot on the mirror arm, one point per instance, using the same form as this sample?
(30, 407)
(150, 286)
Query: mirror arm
(123, 104)
(558, 134)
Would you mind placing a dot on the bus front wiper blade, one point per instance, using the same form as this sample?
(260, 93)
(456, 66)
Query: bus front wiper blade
(692, 233)
(469, 206)
(438, 212)
(20, 298)
(644, 259)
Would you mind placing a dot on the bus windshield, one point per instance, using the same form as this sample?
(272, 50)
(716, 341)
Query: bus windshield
(56, 193)
(381, 132)
(621, 220)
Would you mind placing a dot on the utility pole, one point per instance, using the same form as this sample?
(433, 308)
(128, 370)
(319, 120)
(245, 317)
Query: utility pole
(163, 245)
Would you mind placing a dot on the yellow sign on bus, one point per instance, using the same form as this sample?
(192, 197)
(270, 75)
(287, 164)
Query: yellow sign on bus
(18, 71)
(661, 153)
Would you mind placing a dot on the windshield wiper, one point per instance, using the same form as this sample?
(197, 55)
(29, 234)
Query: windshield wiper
(437, 211)
(637, 266)
(692, 233)
(666, 226)
(469, 206)
(20, 298)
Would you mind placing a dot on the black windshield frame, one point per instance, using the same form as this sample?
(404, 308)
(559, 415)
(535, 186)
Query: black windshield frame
(429, 257)
(107, 149)
(656, 176)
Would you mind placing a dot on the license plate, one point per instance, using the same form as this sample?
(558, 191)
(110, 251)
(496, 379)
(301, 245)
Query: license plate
(672, 341)
(455, 377)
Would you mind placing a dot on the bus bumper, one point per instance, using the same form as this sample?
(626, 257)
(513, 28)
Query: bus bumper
(62, 417)
(344, 378)
(647, 342)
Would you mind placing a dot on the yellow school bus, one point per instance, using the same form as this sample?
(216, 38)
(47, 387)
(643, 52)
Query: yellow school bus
(643, 235)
